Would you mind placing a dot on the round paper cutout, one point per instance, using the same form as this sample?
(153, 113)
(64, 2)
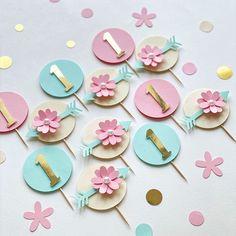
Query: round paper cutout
(17, 107)
(148, 152)
(205, 121)
(101, 151)
(66, 125)
(59, 162)
(147, 105)
(103, 50)
(51, 84)
(170, 57)
(121, 90)
(100, 202)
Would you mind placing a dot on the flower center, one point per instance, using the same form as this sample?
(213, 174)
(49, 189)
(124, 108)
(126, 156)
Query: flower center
(106, 180)
(211, 102)
(46, 121)
(110, 132)
(151, 55)
(103, 85)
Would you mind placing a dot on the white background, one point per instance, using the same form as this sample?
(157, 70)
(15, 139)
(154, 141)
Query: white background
(47, 28)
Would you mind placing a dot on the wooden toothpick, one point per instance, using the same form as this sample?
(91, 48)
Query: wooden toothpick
(21, 138)
(177, 123)
(122, 216)
(67, 199)
(228, 133)
(81, 102)
(131, 68)
(176, 77)
(70, 149)
(123, 106)
(177, 169)
(125, 162)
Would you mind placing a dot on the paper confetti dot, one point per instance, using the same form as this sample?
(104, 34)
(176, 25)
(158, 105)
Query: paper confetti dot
(5, 62)
(70, 43)
(189, 68)
(224, 72)
(54, 1)
(87, 13)
(143, 230)
(19, 27)
(154, 197)
(196, 218)
(206, 26)
(2, 157)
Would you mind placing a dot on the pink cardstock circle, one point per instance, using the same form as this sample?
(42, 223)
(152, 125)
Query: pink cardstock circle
(148, 106)
(87, 12)
(189, 68)
(103, 50)
(196, 218)
(17, 107)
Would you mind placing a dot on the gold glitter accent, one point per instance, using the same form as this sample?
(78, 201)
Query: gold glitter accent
(224, 72)
(5, 62)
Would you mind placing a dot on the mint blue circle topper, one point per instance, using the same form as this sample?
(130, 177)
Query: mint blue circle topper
(47, 169)
(147, 151)
(61, 78)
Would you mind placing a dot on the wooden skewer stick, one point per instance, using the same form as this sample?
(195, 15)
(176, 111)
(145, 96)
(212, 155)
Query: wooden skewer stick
(125, 162)
(131, 68)
(21, 138)
(177, 123)
(123, 106)
(228, 133)
(122, 216)
(177, 169)
(176, 77)
(81, 102)
(70, 149)
(67, 199)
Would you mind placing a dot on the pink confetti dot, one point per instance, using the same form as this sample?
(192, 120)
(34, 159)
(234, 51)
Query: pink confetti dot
(189, 68)
(54, 1)
(87, 12)
(196, 218)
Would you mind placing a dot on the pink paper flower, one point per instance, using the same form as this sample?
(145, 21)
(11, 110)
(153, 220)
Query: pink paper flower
(47, 121)
(102, 86)
(210, 165)
(110, 132)
(39, 217)
(107, 180)
(144, 17)
(211, 102)
(151, 56)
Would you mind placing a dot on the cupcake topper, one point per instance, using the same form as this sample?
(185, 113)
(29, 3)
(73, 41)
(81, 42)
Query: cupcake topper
(207, 109)
(47, 170)
(106, 138)
(108, 87)
(13, 113)
(62, 78)
(157, 144)
(114, 46)
(157, 99)
(53, 121)
(157, 54)
(101, 188)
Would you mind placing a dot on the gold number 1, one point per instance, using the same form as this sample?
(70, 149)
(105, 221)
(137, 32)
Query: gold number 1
(40, 159)
(9, 118)
(108, 37)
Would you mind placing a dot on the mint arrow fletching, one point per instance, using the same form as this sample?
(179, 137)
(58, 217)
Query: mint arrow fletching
(71, 110)
(125, 125)
(32, 133)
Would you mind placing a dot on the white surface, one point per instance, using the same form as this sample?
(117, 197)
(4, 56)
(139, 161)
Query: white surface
(47, 28)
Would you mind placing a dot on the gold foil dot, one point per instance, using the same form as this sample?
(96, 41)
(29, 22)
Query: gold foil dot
(5, 62)
(154, 197)
(70, 43)
(224, 72)
(206, 26)
(2, 157)
(19, 27)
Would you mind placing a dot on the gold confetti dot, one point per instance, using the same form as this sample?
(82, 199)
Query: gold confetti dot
(154, 197)
(224, 72)
(19, 27)
(206, 26)
(70, 43)
(5, 62)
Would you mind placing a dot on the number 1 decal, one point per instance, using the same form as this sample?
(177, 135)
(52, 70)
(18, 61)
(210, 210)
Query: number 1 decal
(108, 37)
(7, 115)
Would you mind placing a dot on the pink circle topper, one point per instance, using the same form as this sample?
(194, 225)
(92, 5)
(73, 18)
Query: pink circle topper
(15, 107)
(105, 52)
(146, 103)
(196, 218)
